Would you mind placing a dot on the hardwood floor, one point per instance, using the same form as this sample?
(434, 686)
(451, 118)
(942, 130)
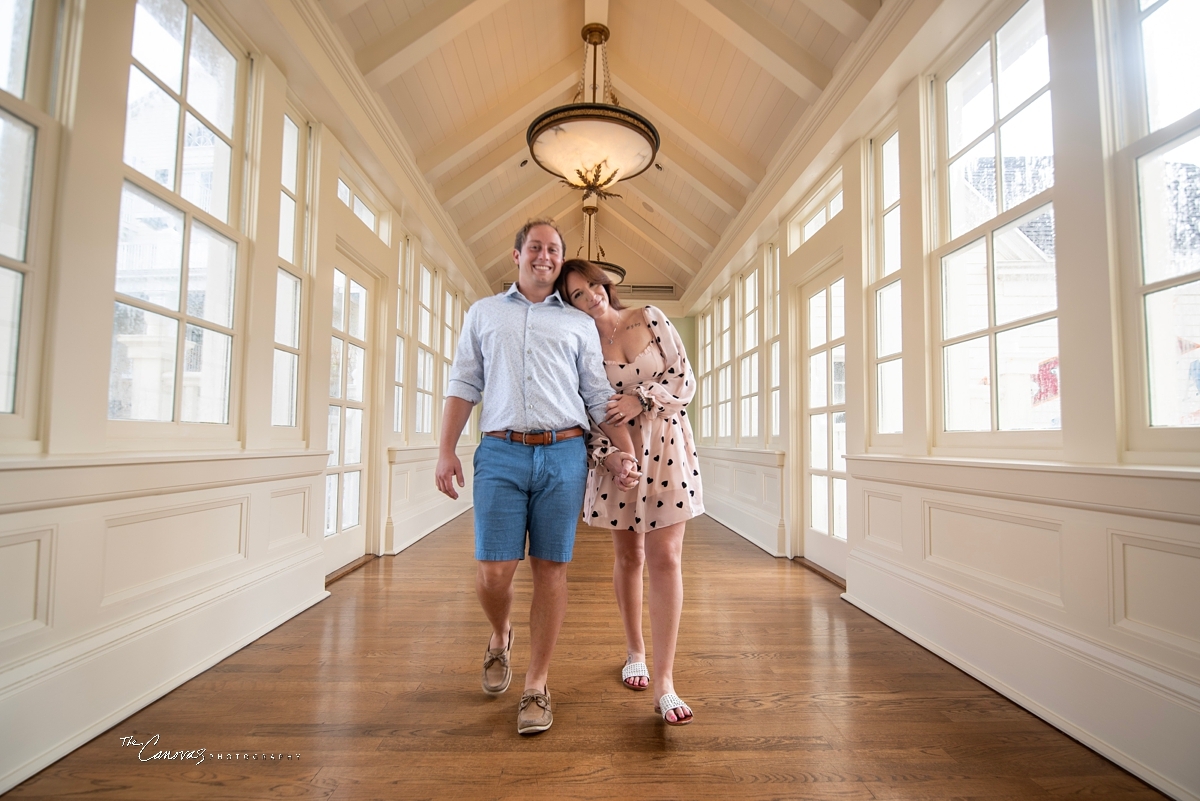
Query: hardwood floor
(797, 694)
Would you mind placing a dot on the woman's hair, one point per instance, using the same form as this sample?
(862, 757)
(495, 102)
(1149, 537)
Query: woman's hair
(593, 274)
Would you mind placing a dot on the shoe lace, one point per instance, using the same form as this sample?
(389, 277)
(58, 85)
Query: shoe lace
(535, 697)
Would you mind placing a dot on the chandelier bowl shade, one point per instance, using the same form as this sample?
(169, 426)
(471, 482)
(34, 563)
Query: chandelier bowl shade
(576, 138)
(615, 271)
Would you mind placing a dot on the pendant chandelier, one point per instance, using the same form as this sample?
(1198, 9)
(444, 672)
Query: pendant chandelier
(593, 142)
(591, 241)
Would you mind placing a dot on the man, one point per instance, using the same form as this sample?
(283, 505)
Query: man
(539, 360)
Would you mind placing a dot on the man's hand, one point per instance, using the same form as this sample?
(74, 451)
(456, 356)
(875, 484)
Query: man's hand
(622, 408)
(448, 469)
(624, 468)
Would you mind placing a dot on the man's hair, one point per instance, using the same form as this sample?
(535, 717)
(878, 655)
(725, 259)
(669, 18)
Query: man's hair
(593, 274)
(529, 226)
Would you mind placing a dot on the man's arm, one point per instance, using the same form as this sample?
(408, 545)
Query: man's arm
(455, 414)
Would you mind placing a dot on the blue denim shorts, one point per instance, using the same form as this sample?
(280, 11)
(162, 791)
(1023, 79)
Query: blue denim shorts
(521, 488)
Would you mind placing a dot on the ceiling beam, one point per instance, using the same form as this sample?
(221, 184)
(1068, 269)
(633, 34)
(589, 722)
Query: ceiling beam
(702, 179)
(619, 252)
(484, 222)
(401, 48)
(518, 108)
(655, 237)
(849, 17)
(683, 219)
(664, 110)
(507, 155)
(764, 44)
(336, 9)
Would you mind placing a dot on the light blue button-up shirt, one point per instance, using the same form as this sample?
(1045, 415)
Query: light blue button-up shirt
(540, 364)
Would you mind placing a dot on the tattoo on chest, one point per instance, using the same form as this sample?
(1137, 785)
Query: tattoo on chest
(632, 326)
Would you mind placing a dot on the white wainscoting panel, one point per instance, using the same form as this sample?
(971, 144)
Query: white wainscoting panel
(289, 516)
(743, 491)
(417, 508)
(25, 565)
(1073, 590)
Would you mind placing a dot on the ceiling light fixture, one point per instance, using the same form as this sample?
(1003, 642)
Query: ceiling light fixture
(593, 142)
(591, 240)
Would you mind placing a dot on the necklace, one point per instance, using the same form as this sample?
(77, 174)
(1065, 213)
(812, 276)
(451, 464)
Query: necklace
(613, 335)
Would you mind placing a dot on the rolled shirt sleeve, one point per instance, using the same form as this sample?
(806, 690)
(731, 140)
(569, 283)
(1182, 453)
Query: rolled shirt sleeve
(466, 374)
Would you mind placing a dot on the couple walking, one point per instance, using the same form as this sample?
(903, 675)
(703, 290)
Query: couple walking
(546, 369)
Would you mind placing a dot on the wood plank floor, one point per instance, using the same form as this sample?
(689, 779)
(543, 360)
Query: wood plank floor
(797, 694)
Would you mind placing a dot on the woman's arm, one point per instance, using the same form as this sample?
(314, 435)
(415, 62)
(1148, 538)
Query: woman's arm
(677, 386)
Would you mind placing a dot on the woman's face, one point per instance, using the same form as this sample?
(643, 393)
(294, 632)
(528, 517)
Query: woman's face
(585, 295)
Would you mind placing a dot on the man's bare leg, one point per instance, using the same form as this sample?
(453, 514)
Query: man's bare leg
(546, 614)
(494, 587)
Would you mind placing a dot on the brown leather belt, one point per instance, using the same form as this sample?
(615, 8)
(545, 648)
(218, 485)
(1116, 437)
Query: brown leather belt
(537, 437)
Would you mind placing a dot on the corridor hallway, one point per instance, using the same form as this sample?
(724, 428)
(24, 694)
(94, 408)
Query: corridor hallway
(797, 694)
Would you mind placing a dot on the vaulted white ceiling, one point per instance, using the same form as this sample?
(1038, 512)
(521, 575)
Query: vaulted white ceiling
(724, 81)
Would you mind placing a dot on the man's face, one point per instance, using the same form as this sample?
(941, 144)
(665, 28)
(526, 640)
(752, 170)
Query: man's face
(540, 259)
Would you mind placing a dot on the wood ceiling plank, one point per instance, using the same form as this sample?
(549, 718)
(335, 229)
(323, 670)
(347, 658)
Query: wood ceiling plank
(469, 180)
(792, 65)
(401, 48)
(336, 9)
(698, 231)
(848, 17)
(656, 238)
(502, 209)
(521, 106)
(702, 179)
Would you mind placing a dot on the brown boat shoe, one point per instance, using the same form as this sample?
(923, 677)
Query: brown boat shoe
(497, 674)
(534, 714)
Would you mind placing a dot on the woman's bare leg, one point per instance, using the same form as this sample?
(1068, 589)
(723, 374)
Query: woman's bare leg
(629, 555)
(664, 550)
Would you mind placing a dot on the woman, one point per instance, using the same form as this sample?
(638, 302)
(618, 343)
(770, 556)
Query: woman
(646, 504)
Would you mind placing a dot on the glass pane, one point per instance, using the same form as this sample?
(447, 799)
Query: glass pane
(331, 503)
(969, 109)
(212, 262)
(149, 248)
(890, 397)
(890, 156)
(287, 228)
(206, 362)
(11, 285)
(212, 78)
(141, 384)
(1169, 53)
(358, 311)
(774, 413)
(1022, 56)
(335, 368)
(206, 159)
(839, 508)
(350, 499)
(17, 139)
(837, 306)
(343, 192)
(888, 322)
(973, 188)
(1027, 147)
(968, 393)
(750, 340)
(399, 360)
(820, 504)
(151, 128)
(835, 205)
(815, 224)
(816, 319)
(1173, 355)
(424, 326)
(291, 144)
(839, 441)
(398, 407)
(891, 242)
(339, 300)
(422, 422)
(426, 287)
(839, 375)
(1027, 381)
(1169, 184)
(287, 309)
(283, 388)
(818, 441)
(424, 370)
(965, 290)
(775, 375)
(16, 22)
(333, 435)
(363, 213)
(1023, 261)
(354, 372)
(750, 292)
(158, 27)
(353, 445)
(817, 380)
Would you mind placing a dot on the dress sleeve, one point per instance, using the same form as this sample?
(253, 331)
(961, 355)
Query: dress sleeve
(677, 386)
(599, 446)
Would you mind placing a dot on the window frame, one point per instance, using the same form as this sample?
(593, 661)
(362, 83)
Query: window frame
(749, 357)
(888, 442)
(821, 200)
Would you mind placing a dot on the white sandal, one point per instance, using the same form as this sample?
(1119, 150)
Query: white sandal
(671, 701)
(633, 670)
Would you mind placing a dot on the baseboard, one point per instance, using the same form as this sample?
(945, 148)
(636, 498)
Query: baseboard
(349, 568)
(829, 576)
(745, 523)
(423, 521)
(1141, 718)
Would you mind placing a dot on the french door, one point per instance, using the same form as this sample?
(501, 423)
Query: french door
(824, 420)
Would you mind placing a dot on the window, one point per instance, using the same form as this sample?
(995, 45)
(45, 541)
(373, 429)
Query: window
(425, 350)
(814, 215)
(363, 209)
(996, 282)
(706, 379)
(884, 292)
(748, 365)
(773, 345)
(724, 368)
(1162, 156)
(348, 437)
(402, 334)
(825, 351)
(292, 274)
(173, 324)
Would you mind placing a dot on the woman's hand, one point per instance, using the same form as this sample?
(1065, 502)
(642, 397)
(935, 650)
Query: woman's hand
(624, 469)
(622, 408)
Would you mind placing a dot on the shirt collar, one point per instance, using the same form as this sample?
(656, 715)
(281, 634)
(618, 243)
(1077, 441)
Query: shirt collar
(553, 296)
